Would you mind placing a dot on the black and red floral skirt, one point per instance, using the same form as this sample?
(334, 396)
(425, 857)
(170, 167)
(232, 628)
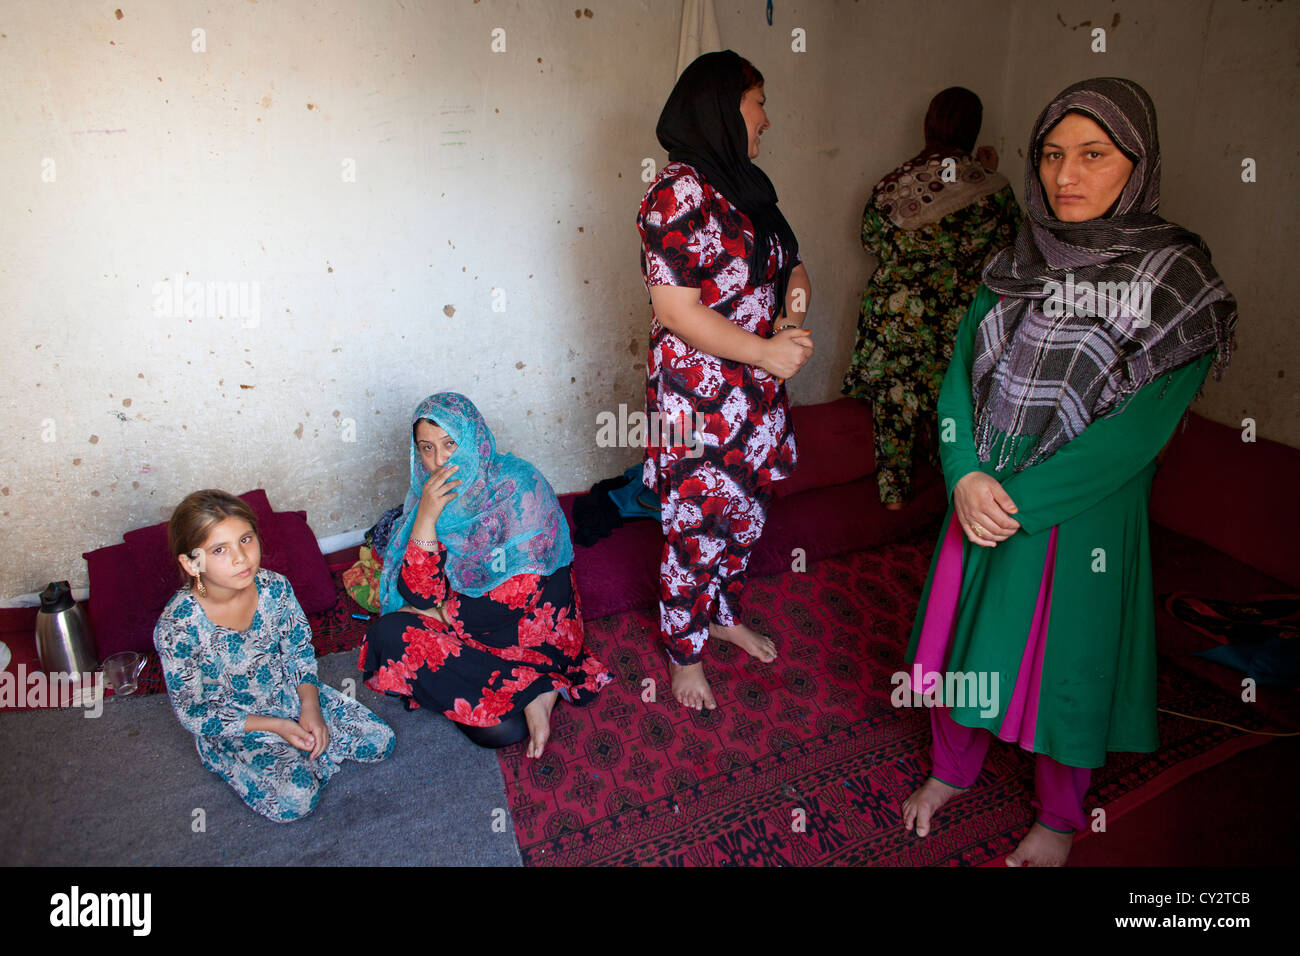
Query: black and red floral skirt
(495, 653)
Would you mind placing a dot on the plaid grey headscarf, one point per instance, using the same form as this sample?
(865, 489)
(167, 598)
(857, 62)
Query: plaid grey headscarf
(1092, 311)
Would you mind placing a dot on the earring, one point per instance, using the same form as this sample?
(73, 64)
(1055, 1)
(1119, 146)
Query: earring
(199, 586)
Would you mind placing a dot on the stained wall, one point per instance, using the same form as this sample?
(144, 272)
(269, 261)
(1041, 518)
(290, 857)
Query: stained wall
(241, 241)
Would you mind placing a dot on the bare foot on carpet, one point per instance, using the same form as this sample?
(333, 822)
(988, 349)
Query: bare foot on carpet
(690, 686)
(922, 804)
(748, 640)
(1041, 847)
(538, 716)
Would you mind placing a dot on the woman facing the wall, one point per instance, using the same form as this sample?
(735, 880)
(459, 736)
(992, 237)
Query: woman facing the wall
(932, 224)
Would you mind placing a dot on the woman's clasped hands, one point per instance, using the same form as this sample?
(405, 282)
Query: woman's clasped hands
(308, 733)
(984, 509)
(786, 352)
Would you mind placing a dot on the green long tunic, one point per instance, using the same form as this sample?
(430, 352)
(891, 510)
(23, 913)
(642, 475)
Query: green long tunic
(1097, 691)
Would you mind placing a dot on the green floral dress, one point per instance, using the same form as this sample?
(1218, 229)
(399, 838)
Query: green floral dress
(910, 311)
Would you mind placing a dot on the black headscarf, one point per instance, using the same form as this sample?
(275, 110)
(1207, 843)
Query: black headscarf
(701, 125)
(953, 120)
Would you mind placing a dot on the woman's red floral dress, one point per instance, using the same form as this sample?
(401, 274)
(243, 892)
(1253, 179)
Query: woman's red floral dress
(714, 491)
(493, 655)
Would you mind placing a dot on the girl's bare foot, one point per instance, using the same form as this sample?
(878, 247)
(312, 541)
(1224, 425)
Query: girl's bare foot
(538, 716)
(924, 801)
(748, 640)
(1041, 847)
(690, 686)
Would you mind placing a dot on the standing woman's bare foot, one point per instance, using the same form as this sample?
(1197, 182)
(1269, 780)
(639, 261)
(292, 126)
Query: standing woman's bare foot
(748, 640)
(538, 716)
(922, 804)
(690, 686)
(1041, 847)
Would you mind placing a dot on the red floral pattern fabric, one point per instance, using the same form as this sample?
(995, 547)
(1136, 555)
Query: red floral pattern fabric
(423, 574)
(692, 236)
(517, 591)
(714, 484)
(492, 655)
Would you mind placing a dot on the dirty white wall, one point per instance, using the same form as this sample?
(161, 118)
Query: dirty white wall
(404, 210)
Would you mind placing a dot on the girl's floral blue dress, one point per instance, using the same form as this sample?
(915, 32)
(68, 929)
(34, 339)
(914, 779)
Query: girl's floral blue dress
(216, 677)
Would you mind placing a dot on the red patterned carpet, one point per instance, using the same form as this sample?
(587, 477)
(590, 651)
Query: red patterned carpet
(627, 781)
(805, 762)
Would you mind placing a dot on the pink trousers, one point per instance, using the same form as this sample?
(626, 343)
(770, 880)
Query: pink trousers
(958, 754)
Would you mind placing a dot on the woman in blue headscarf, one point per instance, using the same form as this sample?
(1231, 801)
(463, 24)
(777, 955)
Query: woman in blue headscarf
(481, 618)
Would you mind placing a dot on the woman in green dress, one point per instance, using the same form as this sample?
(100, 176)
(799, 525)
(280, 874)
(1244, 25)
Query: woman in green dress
(1071, 369)
(931, 224)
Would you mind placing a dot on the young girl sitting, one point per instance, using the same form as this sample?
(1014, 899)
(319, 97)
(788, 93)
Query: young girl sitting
(240, 668)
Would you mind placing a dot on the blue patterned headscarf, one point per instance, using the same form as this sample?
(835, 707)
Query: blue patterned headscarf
(505, 518)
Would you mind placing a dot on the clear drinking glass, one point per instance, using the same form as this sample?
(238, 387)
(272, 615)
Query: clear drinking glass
(122, 671)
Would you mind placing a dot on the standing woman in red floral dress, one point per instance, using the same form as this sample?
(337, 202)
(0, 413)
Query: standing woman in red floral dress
(729, 296)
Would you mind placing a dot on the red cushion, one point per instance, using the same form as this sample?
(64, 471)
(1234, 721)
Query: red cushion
(289, 547)
(836, 445)
(118, 620)
(619, 572)
(825, 522)
(1235, 496)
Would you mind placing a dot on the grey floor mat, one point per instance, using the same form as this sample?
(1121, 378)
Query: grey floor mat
(121, 790)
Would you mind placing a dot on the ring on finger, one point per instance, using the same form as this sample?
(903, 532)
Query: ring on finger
(978, 529)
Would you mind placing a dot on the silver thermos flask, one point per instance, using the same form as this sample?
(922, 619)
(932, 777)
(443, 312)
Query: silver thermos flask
(63, 638)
